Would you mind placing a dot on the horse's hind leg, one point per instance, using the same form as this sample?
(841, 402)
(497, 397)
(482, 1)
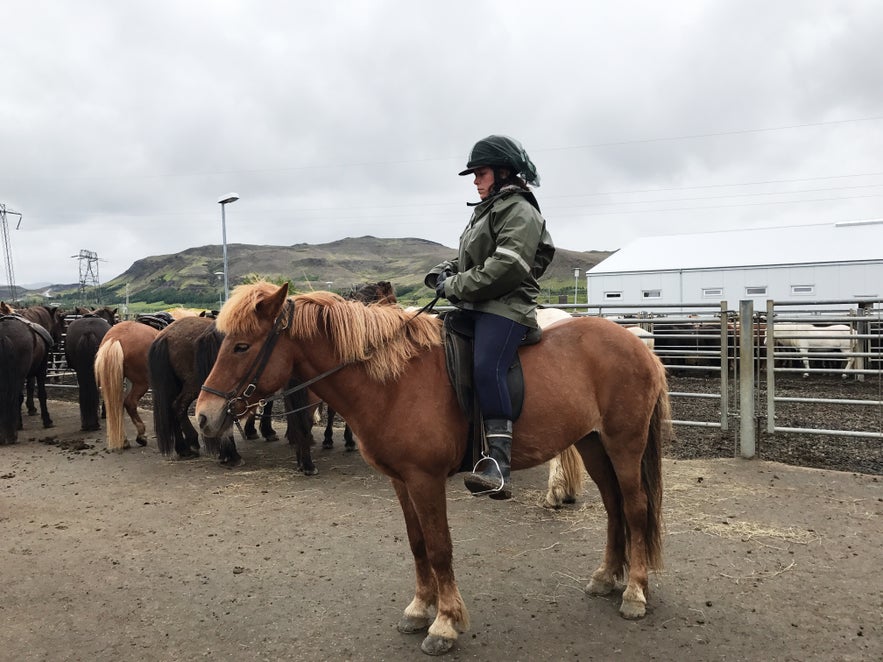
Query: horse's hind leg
(29, 400)
(41, 396)
(133, 397)
(601, 472)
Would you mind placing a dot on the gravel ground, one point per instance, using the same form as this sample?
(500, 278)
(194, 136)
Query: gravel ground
(824, 451)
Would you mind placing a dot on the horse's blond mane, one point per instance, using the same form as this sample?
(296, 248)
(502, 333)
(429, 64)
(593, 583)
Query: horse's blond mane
(381, 337)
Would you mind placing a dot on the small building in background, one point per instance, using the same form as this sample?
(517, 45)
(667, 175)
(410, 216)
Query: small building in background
(832, 261)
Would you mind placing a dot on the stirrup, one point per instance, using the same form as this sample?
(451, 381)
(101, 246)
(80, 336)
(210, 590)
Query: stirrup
(475, 471)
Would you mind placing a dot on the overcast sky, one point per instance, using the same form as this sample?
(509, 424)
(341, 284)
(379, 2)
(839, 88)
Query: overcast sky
(122, 122)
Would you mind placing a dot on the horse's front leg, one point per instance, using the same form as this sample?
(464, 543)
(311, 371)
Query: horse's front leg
(425, 510)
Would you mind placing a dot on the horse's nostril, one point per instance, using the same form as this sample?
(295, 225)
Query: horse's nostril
(201, 420)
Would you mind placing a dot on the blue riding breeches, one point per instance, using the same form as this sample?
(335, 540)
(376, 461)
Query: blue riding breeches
(496, 341)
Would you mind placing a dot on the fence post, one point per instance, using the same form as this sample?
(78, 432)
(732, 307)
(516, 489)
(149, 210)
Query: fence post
(725, 366)
(746, 379)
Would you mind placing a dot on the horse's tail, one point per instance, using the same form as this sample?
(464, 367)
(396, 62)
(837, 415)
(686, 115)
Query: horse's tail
(165, 386)
(658, 436)
(109, 377)
(566, 478)
(82, 359)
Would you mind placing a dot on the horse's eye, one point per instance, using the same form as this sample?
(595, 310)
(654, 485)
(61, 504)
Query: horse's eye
(240, 347)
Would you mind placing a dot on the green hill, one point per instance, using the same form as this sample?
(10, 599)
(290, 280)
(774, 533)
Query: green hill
(190, 278)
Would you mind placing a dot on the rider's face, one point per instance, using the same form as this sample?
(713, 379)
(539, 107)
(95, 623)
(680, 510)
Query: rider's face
(484, 181)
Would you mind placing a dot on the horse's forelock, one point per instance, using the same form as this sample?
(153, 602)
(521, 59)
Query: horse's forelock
(238, 315)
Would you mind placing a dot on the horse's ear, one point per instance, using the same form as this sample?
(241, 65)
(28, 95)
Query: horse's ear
(271, 306)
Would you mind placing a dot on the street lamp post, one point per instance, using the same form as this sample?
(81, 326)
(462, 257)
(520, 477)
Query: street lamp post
(575, 283)
(224, 200)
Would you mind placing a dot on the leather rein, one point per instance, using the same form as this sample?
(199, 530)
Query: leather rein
(238, 405)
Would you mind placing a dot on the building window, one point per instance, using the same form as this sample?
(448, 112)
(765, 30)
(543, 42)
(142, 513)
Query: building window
(712, 292)
(612, 295)
(757, 291)
(803, 290)
(651, 294)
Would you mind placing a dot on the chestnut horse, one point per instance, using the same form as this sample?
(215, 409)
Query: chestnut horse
(589, 382)
(123, 354)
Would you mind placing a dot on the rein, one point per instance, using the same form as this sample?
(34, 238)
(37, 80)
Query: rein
(238, 405)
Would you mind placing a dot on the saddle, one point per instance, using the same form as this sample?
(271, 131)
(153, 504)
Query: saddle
(159, 321)
(36, 328)
(458, 340)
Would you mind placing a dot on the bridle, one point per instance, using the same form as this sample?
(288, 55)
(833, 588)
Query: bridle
(237, 405)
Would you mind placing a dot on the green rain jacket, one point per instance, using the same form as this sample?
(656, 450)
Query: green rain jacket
(504, 249)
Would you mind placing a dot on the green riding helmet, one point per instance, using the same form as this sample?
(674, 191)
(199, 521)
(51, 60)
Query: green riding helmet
(505, 152)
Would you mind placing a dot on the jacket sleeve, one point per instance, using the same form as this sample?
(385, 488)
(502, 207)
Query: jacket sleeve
(518, 229)
(430, 279)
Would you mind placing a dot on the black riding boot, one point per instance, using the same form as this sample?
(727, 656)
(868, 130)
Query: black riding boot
(493, 477)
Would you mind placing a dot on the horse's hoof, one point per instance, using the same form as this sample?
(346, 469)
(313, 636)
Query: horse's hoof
(435, 645)
(272, 437)
(142, 441)
(350, 449)
(632, 609)
(599, 587)
(327, 445)
(90, 428)
(310, 472)
(251, 436)
(32, 412)
(412, 625)
(48, 424)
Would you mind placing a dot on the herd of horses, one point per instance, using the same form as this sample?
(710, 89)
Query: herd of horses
(383, 368)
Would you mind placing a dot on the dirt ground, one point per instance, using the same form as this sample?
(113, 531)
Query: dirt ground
(134, 556)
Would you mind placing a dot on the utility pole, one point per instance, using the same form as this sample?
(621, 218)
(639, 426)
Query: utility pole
(7, 246)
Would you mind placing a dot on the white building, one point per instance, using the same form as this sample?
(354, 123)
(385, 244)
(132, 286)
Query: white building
(795, 263)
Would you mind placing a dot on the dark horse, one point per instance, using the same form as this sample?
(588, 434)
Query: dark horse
(383, 293)
(588, 383)
(50, 318)
(179, 359)
(175, 382)
(24, 355)
(84, 335)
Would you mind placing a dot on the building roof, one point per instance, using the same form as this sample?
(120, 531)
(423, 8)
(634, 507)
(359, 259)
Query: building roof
(795, 244)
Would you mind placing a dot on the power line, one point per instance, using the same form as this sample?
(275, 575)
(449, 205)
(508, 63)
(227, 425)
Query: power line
(375, 164)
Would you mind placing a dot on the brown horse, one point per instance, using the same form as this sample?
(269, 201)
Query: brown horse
(123, 354)
(589, 382)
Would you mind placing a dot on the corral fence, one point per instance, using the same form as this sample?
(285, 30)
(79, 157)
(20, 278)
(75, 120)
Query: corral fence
(813, 342)
(709, 342)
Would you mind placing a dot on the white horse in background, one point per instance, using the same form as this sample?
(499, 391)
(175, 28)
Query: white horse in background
(805, 338)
